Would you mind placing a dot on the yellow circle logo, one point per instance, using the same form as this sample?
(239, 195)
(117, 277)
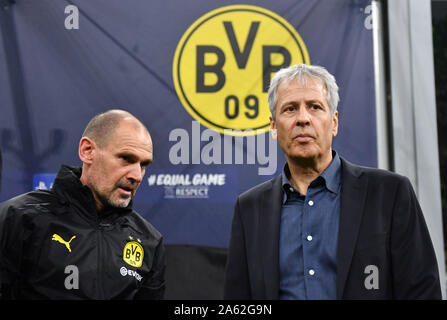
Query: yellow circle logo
(224, 62)
(133, 254)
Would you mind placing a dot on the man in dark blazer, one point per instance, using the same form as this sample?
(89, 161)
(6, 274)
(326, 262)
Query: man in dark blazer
(326, 228)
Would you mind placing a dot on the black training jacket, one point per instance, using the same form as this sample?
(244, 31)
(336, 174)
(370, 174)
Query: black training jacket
(55, 245)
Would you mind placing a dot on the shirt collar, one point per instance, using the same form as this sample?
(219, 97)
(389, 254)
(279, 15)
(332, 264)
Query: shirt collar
(331, 175)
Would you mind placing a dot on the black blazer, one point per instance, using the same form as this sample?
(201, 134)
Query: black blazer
(381, 224)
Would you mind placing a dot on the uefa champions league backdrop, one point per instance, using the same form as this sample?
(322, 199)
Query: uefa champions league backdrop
(196, 73)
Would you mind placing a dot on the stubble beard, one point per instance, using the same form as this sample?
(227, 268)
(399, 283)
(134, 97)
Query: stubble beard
(108, 199)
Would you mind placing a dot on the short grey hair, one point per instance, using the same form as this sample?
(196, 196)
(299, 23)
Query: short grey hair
(303, 72)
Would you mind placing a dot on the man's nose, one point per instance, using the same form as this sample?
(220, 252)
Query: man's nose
(302, 116)
(136, 173)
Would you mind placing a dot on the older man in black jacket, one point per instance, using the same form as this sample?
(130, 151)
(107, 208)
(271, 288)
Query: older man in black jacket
(81, 239)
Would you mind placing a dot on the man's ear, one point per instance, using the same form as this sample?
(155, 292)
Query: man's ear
(273, 128)
(335, 127)
(87, 149)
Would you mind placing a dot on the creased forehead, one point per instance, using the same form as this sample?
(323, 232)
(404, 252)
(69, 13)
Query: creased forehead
(304, 82)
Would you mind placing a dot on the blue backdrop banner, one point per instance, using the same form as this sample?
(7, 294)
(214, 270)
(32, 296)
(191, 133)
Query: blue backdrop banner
(196, 73)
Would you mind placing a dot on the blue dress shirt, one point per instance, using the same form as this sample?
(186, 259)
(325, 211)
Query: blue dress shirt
(309, 236)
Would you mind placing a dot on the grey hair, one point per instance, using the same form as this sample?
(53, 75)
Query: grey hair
(303, 72)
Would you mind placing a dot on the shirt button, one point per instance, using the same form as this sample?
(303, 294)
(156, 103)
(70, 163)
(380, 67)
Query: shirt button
(291, 189)
(311, 272)
(309, 238)
(310, 203)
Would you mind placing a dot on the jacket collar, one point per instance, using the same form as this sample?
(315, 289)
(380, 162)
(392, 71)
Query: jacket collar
(353, 197)
(71, 191)
(269, 222)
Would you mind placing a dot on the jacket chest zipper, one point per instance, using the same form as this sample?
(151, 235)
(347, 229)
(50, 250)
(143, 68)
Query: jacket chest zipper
(99, 264)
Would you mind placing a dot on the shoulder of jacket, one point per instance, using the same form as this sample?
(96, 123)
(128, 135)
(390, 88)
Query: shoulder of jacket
(373, 174)
(383, 175)
(259, 190)
(143, 226)
(31, 202)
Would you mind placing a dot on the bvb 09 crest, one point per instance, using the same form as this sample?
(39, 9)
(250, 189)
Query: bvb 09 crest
(224, 62)
(133, 254)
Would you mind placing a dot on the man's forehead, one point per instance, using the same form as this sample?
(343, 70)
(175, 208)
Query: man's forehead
(308, 90)
(131, 136)
(142, 152)
(127, 141)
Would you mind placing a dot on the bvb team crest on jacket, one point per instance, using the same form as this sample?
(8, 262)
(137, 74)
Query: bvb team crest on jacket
(133, 254)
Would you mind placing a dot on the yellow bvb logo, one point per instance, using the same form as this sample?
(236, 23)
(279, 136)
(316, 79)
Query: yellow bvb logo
(224, 62)
(133, 254)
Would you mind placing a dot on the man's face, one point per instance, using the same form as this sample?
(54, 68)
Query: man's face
(304, 124)
(118, 168)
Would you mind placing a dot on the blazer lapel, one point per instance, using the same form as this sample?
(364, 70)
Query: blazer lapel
(353, 196)
(269, 223)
